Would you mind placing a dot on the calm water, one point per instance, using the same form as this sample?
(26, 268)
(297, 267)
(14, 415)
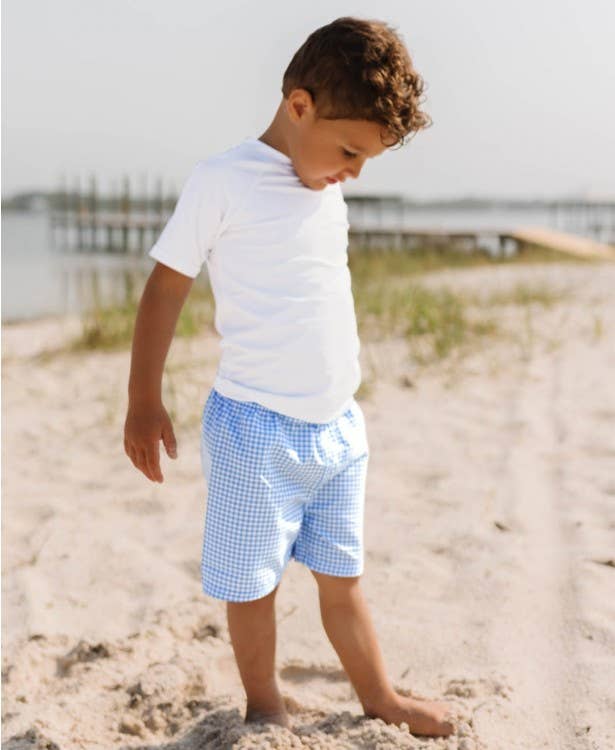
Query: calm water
(39, 279)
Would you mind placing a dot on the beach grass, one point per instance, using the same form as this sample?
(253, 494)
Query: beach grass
(390, 300)
(111, 327)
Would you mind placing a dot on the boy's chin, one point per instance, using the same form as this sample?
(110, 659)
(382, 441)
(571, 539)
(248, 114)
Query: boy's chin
(319, 184)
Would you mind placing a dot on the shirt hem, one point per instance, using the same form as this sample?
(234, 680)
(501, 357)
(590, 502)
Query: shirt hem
(288, 406)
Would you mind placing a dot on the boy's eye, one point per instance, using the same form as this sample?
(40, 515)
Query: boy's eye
(348, 153)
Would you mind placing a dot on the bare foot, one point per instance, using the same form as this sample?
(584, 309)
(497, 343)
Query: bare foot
(263, 717)
(429, 718)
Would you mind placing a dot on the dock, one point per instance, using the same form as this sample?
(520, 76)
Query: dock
(133, 233)
(497, 242)
(563, 242)
(86, 221)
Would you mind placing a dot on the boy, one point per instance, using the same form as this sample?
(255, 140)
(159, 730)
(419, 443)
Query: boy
(283, 441)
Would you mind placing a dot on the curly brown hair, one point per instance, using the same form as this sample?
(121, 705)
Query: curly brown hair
(360, 69)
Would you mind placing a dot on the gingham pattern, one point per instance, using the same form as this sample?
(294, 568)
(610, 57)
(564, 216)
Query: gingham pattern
(279, 487)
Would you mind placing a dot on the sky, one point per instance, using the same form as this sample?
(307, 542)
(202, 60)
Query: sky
(521, 95)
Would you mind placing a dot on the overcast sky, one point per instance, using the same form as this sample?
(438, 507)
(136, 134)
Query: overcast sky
(521, 93)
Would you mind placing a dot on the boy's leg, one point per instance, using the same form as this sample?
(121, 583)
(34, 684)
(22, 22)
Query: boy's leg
(348, 624)
(252, 628)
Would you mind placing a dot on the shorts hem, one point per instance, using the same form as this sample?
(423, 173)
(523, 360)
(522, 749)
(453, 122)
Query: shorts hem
(321, 569)
(218, 593)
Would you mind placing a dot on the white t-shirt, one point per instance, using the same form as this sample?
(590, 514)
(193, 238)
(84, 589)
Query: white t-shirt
(276, 254)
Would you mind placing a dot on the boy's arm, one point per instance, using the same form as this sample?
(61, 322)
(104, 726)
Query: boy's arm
(147, 421)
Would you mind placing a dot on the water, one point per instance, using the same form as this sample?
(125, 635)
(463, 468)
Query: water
(39, 279)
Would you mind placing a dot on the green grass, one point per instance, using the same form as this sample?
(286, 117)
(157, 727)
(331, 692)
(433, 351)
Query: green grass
(434, 321)
(523, 294)
(112, 327)
(366, 263)
(389, 301)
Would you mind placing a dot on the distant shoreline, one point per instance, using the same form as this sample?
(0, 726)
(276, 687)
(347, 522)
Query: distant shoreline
(40, 201)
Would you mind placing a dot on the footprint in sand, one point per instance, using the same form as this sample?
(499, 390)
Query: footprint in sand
(82, 652)
(313, 682)
(164, 697)
(300, 672)
(480, 687)
(31, 738)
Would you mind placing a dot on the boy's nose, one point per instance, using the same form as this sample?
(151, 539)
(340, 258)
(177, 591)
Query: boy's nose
(349, 171)
(352, 174)
(355, 172)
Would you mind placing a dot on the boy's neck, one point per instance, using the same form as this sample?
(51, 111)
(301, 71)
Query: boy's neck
(275, 136)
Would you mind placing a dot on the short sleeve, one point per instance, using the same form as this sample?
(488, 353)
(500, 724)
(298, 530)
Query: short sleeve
(196, 222)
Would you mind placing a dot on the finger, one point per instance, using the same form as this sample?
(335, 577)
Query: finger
(130, 452)
(153, 462)
(133, 458)
(127, 448)
(142, 464)
(169, 441)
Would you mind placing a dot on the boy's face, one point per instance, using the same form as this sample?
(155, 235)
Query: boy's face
(328, 151)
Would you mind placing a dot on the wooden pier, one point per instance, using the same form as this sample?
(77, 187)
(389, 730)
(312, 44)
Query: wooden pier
(123, 223)
(563, 242)
(119, 222)
(112, 232)
(494, 241)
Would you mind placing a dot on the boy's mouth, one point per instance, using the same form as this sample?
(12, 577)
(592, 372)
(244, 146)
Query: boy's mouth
(331, 180)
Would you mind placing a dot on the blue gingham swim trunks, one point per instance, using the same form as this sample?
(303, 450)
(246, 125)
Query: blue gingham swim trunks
(279, 487)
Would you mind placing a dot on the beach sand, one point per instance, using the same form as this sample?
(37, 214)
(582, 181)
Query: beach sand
(489, 533)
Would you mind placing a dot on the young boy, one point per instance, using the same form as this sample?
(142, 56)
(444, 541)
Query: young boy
(283, 440)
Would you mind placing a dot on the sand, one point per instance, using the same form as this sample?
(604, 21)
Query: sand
(489, 532)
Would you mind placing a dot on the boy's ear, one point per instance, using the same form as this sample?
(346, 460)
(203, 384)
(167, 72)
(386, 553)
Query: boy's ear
(299, 103)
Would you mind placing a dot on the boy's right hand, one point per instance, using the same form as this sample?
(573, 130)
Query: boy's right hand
(145, 426)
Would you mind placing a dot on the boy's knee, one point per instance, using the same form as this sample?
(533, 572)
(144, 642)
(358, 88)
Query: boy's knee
(335, 584)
